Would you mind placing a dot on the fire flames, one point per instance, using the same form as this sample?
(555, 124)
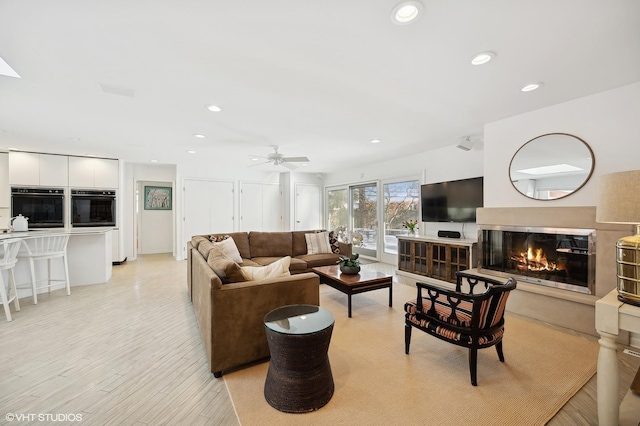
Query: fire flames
(535, 260)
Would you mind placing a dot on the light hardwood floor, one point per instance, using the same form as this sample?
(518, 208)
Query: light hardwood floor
(129, 353)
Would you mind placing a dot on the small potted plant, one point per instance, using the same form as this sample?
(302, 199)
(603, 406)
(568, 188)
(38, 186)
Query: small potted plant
(411, 225)
(349, 265)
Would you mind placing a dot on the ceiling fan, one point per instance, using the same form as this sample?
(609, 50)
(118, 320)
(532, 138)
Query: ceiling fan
(280, 160)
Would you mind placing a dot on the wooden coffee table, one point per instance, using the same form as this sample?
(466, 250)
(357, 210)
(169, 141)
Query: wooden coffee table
(366, 280)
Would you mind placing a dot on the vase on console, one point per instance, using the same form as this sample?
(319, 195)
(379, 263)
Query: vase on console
(412, 226)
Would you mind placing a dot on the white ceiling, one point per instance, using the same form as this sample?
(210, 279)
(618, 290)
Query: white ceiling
(318, 78)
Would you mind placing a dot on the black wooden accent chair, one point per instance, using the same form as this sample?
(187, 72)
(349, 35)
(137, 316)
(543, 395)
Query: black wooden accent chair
(464, 317)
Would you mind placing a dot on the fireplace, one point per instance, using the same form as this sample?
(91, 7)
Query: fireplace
(555, 257)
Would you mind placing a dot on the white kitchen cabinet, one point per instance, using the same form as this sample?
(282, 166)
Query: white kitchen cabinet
(33, 169)
(81, 172)
(106, 173)
(87, 172)
(54, 170)
(24, 168)
(5, 196)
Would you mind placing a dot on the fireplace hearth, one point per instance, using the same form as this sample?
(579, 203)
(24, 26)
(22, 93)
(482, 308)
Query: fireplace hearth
(554, 257)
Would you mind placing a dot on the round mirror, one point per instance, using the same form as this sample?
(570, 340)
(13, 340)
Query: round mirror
(551, 166)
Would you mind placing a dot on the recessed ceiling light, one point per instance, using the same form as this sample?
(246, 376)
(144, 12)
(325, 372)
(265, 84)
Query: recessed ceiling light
(198, 135)
(530, 87)
(304, 164)
(406, 12)
(375, 141)
(191, 151)
(154, 161)
(214, 108)
(482, 58)
(254, 159)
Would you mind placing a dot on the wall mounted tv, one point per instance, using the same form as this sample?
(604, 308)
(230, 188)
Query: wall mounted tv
(454, 201)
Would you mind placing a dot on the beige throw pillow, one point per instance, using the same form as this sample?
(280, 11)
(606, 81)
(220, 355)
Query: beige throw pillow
(229, 249)
(279, 268)
(318, 243)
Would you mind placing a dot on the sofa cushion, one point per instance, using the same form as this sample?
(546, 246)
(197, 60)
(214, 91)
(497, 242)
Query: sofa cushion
(250, 262)
(196, 240)
(226, 269)
(240, 238)
(300, 242)
(318, 243)
(270, 244)
(279, 268)
(296, 266)
(204, 248)
(314, 260)
(229, 249)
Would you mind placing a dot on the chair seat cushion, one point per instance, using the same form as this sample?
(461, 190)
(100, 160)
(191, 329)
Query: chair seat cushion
(462, 317)
(438, 329)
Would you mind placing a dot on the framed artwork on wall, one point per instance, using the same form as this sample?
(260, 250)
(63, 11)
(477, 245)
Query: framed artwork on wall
(157, 198)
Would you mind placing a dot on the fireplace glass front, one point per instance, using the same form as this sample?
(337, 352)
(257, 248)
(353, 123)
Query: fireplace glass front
(562, 258)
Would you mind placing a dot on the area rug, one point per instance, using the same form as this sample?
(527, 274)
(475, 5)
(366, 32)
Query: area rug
(377, 384)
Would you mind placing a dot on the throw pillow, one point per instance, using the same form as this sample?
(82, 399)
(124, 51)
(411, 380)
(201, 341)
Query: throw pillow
(318, 243)
(230, 250)
(279, 268)
(333, 242)
(225, 268)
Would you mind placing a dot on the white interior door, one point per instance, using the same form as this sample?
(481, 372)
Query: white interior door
(271, 207)
(307, 207)
(208, 208)
(250, 206)
(221, 211)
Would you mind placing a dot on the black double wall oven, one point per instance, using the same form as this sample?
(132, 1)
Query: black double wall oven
(93, 208)
(44, 207)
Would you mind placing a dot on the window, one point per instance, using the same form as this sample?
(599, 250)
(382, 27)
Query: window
(400, 204)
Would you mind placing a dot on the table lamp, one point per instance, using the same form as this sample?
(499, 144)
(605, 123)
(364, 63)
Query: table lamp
(619, 202)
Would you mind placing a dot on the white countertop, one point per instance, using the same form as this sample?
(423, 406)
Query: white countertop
(71, 231)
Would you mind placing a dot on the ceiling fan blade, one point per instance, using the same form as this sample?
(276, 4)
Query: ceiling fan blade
(259, 156)
(296, 159)
(289, 166)
(260, 164)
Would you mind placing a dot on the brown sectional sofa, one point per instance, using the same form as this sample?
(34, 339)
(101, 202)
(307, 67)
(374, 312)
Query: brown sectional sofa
(231, 315)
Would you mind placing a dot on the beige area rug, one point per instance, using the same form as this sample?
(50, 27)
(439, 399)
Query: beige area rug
(377, 384)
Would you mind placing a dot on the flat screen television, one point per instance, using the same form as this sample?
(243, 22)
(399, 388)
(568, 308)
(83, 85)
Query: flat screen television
(454, 201)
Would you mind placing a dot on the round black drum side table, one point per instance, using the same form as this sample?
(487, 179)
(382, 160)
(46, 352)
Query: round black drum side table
(299, 379)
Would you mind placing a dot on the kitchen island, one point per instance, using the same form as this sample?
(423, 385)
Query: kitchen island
(89, 255)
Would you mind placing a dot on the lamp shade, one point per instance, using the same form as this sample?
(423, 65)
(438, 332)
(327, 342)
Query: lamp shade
(619, 198)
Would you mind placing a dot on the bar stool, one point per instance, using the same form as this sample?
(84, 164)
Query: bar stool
(46, 247)
(8, 259)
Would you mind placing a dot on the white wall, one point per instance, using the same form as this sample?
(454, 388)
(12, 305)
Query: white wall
(155, 227)
(439, 165)
(608, 121)
(134, 173)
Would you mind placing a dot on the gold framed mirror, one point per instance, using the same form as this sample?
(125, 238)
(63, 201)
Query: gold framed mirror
(551, 166)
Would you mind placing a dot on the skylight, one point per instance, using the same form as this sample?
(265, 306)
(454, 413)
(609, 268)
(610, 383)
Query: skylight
(549, 170)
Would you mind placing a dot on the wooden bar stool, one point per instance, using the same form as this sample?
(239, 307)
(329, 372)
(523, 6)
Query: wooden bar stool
(46, 247)
(8, 259)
